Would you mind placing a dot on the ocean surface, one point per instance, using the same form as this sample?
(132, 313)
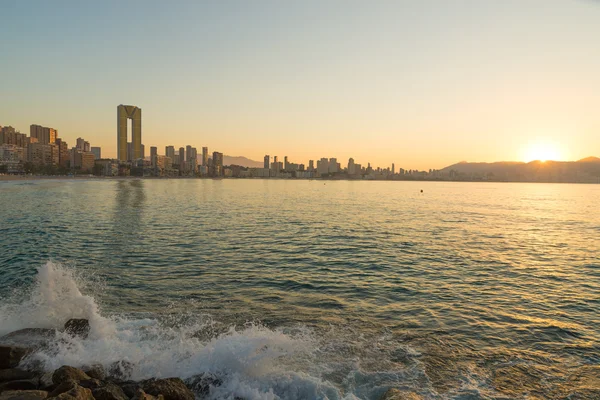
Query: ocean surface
(313, 289)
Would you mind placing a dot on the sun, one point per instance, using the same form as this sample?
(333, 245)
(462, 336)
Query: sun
(542, 151)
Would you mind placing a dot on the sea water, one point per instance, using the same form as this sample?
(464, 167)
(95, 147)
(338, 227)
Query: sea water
(313, 289)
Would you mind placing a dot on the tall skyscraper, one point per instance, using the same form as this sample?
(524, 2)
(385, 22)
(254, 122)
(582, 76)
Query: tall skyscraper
(217, 160)
(351, 169)
(181, 158)
(123, 114)
(286, 164)
(267, 162)
(393, 168)
(188, 152)
(153, 156)
(205, 156)
(170, 152)
(80, 144)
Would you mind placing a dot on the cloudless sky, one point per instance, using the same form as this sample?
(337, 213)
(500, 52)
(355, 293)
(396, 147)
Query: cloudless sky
(421, 83)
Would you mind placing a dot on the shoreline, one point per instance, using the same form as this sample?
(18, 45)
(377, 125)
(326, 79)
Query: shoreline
(11, 178)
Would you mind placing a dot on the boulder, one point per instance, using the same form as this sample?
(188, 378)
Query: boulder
(76, 393)
(23, 395)
(170, 388)
(15, 374)
(200, 384)
(62, 388)
(22, 384)
(130, 388)
(95, 371)
(78, 327)
(11, 356)
(110, 391)
(141, 395)
(46, 381)
(395, 394)
(120, 370)
(66, 373)
(91, 384)
(29, 337)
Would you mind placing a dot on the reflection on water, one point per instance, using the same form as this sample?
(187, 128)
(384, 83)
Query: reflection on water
(462, 291)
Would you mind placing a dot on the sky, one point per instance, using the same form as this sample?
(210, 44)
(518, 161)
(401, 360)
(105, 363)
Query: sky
(422, 83)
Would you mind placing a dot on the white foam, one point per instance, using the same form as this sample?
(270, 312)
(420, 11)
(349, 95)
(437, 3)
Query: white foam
(253, 362)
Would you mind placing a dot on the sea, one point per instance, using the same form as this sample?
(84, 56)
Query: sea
(312, 289)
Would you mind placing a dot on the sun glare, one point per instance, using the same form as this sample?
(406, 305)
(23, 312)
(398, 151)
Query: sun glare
(542, 152)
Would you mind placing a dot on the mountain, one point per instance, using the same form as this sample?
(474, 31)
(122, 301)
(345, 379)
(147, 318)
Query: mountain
(589, 160)
(586, 170)
(242, 161)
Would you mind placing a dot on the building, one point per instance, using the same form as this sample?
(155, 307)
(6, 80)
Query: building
(84, 160)
(153, 156)
(125, 113)
(43, 134)
(130, 152)
(217, 161)
(205, 156)
(170, 152)
(267, 161)
(11, 158)
(42, 154)
(63, 153)
(181, 159)
(351, 166)
(8, 135)
(97, 152)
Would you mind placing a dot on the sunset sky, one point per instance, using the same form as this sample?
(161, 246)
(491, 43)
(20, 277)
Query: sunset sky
(420, 83)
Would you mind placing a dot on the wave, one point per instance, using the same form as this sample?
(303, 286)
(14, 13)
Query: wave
(252, 361)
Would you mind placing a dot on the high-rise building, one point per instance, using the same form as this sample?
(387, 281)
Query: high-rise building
(63, 153)
(217, 160)
(43, 134)
(86, 147)
(97, 152)
(393, 169)
(351, 167)
(205, 156)
(125, 113)
(170, 151)
(267, 161)
(80, 144)
(311, 165)
(181, 159)
(286, 165)
(153, 156)
(188, 152)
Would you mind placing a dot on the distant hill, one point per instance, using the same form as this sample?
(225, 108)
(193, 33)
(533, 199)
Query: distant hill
(243, 161)
(585, 170)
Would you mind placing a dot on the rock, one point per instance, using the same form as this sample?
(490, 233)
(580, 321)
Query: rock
(29, 337)
(110, 391)
(120, 370)
(170, 388)
(46, 381)
(78, 327)
(15, 374)
(130, 388)
(91, 384)
(95, 371)
(22, 384)
(23, 395)
(76, 393)
(200, 384)
(62, 388)
(11, 356)
(66, 373)
(141, 395)
(395, 394)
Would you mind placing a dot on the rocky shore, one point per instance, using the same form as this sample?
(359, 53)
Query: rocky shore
(23, 380)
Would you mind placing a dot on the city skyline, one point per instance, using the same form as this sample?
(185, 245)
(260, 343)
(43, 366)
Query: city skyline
(424, 84)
